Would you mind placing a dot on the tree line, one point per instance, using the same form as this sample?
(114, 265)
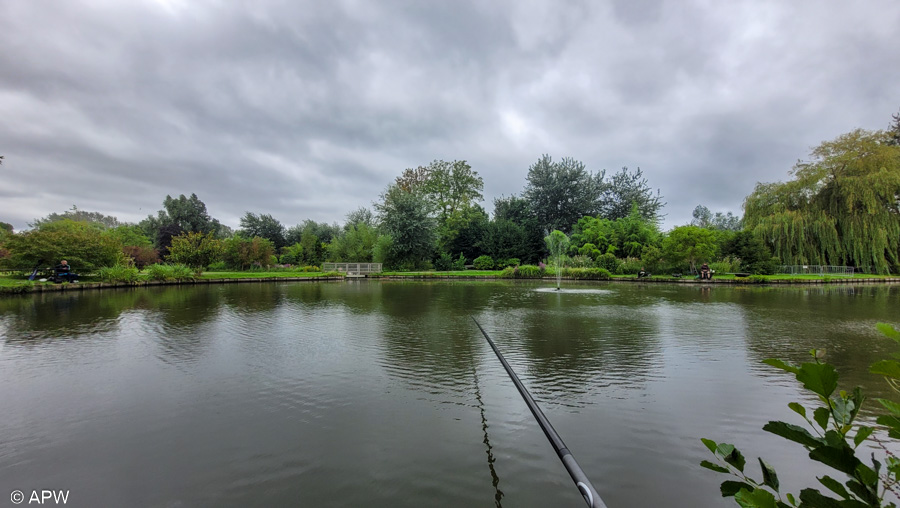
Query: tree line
(842, 207)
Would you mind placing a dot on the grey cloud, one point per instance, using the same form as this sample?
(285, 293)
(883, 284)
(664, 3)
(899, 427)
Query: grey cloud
(309, 109)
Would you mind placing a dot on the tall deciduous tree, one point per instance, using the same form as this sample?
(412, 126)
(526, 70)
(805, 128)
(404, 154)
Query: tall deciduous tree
(627, 189)
(841, 208)
(196, 250)
(689, 245)
(180, 215)
(361, 215)
(263, 226)
(894, 130)
(74, 214)
(560, 193)
(405, 217)
(82, 244)
(452, 186)
(355, 244)
(704, 218)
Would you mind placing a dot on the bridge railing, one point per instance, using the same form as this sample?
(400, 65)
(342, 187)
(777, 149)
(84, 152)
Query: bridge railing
(352, 268)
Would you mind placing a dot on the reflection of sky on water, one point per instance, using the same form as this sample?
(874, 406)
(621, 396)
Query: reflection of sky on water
(339, 389)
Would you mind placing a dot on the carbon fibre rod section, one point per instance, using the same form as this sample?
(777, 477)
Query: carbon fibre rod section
(581, 480)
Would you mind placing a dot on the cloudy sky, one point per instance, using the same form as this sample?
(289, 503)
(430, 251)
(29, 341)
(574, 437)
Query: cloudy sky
(309, 109)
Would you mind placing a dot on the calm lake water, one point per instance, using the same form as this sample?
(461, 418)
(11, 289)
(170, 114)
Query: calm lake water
(386, 394)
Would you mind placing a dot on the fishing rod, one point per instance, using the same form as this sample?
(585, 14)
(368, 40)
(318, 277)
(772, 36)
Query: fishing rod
(591, 497)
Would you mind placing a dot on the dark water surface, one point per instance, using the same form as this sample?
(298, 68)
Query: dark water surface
(385, 394)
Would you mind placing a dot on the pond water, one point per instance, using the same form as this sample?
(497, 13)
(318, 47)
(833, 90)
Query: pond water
(386, 394)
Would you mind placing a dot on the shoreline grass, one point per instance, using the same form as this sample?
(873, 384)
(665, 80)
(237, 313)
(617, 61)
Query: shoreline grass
(12, 284)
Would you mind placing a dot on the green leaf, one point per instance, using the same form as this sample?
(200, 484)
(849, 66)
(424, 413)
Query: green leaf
(843, 411)
(891, 406)
(769, 477)
(735, 459)
(842, 459)
(731, 487)
(710, 444)
(812, 497)
(863, 492)
(889, 368)
(862, 433)
(759, 498)
(714, 467)
(888, 331)
(867, 475)
(780, 364)
(820, 378)
(892, 422)
(821, 415)
(858, 398)
(834, 486)
(793, 433)
(797, 408)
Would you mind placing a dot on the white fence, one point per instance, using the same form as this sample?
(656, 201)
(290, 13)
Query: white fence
(823, 269)
(352, 268)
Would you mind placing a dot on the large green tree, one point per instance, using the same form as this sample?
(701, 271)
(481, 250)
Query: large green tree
(83, 245)
(841, 208)
(196, 250)
(559, 193)
(517, 210)
(689, 245)
(241, 252)
(405, 217)
(626, 190)
(704, 218)
(180, 215)
(461, 231)
(74, 214)
(263, 226)
(354, 244)
(894, 130)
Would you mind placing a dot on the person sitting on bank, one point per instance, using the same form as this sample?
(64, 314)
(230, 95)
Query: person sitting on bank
(705, 272)
(64, 272)
(643, 273)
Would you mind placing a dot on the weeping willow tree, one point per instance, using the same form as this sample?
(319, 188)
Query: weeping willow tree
(841, 208)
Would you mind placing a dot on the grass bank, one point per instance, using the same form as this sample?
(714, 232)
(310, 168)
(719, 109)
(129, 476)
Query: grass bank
(15, 284)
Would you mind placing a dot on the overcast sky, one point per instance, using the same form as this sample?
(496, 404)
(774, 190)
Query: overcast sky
(310, 109)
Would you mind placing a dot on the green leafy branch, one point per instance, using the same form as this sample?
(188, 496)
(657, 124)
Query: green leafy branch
(834, 440)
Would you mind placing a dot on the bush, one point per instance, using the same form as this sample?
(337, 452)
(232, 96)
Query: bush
(608, 262)
(728, 264)
(141, 256)
(483, 263)
(587, 273)
(444, 262)
(630, 266)
(580, 261)
(509, 262)
(522, 272)
(460, 263)
(170, 272)
(119, 273)
(218, 266)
